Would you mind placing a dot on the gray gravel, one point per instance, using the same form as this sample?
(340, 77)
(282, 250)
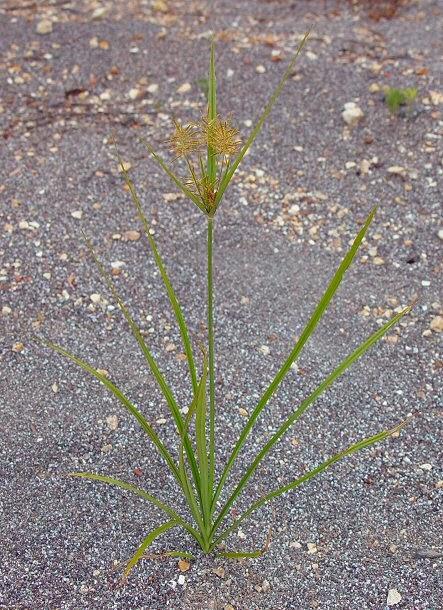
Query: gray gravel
(375, 519)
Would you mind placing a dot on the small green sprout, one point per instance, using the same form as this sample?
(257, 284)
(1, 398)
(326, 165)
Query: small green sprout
(209, 153)
(395, 98)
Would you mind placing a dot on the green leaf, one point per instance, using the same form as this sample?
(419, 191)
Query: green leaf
(132, 409)
(212, 112)
(166, 390)
(145, 544)
(304, 337)
(343, 366)
(306, 477)
(258, 126)
(189, 492)
(143, 494)
(161, 267)
(189, 194)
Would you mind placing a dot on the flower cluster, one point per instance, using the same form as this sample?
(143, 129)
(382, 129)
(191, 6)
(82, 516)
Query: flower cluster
(217, 139)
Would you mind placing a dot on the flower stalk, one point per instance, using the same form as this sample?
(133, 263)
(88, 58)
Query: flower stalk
(211, 354)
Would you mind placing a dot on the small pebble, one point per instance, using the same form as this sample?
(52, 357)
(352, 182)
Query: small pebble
(183, 565)
(112, 422)
(77, 214)
(393, 598)
(185, 88)
(44, 27)
(152, 88)
(352, 114)
(134, 93)
(131, 235)
(426, 467)
(437, 324)
(219, 571)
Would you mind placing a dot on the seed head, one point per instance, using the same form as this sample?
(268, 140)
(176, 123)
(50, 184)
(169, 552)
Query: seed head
(204, 187)
(221, 136)
(185, 140)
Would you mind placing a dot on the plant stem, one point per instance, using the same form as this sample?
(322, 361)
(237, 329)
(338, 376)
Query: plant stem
(211, 356)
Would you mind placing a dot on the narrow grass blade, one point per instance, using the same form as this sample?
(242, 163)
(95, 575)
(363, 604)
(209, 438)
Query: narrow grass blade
(258, 126)
(189, 492)
(143, 494)
(145, 544)
(343, 366)
(132, 409)
(304, 337)
(166, 390)
(161, 267)
(189, 194)
(367, 442)
(202, 455)
(212, 112)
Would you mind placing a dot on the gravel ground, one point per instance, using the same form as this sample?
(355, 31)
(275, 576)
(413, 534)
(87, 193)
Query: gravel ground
(368, 533)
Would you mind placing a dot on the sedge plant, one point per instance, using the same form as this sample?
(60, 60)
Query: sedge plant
(210, 152)
(396, 98)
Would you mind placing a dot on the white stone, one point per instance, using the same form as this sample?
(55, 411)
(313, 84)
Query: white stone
(294, 210)
(393, 598)
(112, 422)
(133, 93)
(152, 88)
(352, 114)
(185, 88)
(426, 467)
(44, 27)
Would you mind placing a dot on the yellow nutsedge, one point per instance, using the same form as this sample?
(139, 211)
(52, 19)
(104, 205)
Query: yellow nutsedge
(185, 139)
(221, 136)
